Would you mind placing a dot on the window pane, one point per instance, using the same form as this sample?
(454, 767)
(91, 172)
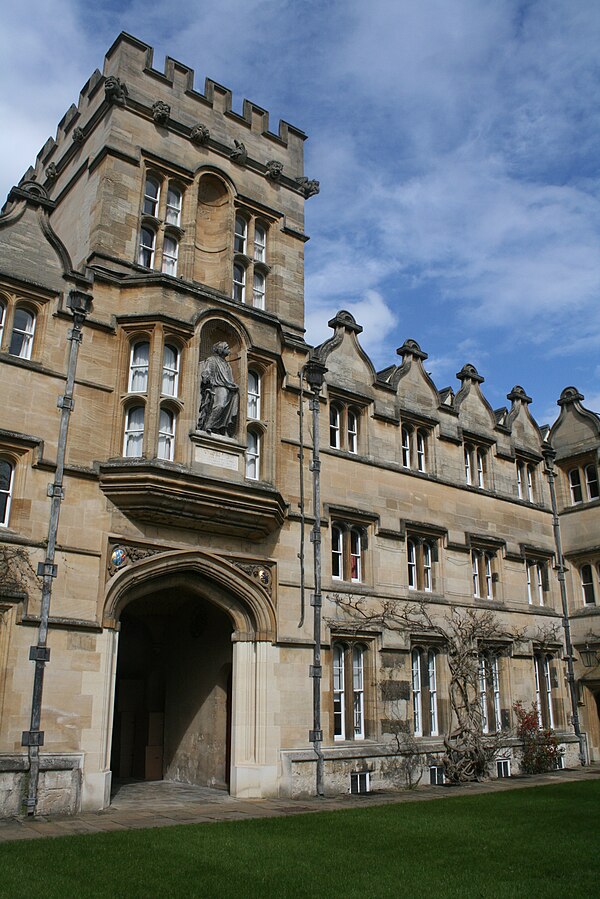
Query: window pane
(138, 371)
(253, 395)
(433, 712)
(416, 690)
(22, 334)
(406, 447)
(170, 253)
(468, 474)
(253, 456)
(151, 194)
(530, 477)
(575, 482)
(587, 584)
(427, 581)
(338, 692)
(358, 691)
(334, 427)
(355, 556)
(239, 283)
(258, 295)
(6, 474)
(591, 477)
(260, 243)
(483, 683)
(420, 451)
(336, 553)
(412, 565)
(170, 373)
(548, 684)
(166, 435)
(480, 468)
(134, 431)
(489, 589)
(496, 689)
(475, 572)
(146, 254)
(173, 216)
(239, 243)
(352, 432)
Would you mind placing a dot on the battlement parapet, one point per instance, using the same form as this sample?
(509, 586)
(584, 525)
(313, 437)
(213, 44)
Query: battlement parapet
(132, 61)
(171, 101)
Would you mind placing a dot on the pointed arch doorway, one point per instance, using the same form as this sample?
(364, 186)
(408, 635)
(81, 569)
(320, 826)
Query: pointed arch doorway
(193, 660)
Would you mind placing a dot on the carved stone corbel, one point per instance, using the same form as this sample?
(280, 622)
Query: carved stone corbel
(161, 112)
(200, 134)
(239, 153)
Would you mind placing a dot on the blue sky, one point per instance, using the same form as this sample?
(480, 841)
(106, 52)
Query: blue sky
(456, 142)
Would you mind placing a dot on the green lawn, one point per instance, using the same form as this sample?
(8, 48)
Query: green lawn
(538, 842)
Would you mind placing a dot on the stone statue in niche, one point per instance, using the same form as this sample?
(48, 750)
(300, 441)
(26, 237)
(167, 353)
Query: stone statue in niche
(219, 394)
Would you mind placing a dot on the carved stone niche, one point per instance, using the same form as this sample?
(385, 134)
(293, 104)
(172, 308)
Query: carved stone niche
(212, 265)
(215, 333)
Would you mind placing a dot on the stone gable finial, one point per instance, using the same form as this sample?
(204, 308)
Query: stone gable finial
(78, 135)
(517, 393)
(570, 395)
(310, 188)
(161, 112)
(115, 91)
(274, 169)
(411, 348)
(346, 320)
(239, 153)
(469, 373)
(199, 134)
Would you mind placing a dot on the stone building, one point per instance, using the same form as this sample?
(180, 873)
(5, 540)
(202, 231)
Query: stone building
(178, 585)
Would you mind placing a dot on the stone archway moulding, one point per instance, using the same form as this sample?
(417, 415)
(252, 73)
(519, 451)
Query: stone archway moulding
(210, 577)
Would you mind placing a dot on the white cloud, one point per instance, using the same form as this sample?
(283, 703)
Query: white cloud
(371, 312)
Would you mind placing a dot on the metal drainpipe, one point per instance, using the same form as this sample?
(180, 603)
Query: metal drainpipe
(301, 504)
(80, 304)
(315, 373)
(549, 456)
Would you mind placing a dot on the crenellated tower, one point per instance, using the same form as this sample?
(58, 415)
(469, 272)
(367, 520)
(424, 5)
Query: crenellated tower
(149, 177)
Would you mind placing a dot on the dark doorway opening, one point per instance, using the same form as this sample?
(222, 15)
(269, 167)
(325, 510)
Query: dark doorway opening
(172, 716)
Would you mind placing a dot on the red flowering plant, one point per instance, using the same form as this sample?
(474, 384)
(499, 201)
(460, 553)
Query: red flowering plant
(540, 751)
